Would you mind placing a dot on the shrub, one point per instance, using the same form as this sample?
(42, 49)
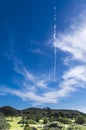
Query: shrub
(64, 120)
(73, 127)
(3, 123)
(33, 128)
(45, 121)
(54, 126)
(27, 127)
(80, 119)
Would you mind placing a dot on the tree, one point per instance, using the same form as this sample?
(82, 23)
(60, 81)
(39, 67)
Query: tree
(73, 127)
(33, 128)
(64, 120)
(61, 114)
(80, 119)
(37, 118)
(27, 127)
(49, 111)
(3, 123)
(45, 120)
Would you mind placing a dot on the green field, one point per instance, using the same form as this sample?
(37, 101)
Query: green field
(15, 126)
(13, 121)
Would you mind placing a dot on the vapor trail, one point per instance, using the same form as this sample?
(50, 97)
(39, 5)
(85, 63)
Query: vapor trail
(54, 43)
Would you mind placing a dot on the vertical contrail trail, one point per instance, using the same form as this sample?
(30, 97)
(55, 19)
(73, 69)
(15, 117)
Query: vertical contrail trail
(54, 43)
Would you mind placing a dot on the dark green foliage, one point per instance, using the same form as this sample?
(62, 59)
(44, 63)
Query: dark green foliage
(32, 113)
(33, 128)
(37, 118)
(64, 120)
(80, 119)
(51, 129)
(51, 119)
(49, 111)
(23, 121)
(45, 120)
(61, 114)
(53, 126)
(3, 123)
(27, 127)
(73, 127)
(31, 121)
(10, 111)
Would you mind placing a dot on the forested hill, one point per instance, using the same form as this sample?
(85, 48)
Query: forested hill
(10, 111)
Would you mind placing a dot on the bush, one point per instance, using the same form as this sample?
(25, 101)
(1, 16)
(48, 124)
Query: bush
(54, 126)
(45, 121)
(33, 128)
(27, 127)
(80, 119)
(3, 123)
(64, 120)
(23, 122)
(73, 127)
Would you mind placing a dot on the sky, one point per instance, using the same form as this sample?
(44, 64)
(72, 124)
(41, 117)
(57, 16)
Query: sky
(43, 54)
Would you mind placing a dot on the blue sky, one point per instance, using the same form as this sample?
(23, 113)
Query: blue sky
(27, 54)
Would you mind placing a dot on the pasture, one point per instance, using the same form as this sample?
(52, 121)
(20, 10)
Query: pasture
(14, 125)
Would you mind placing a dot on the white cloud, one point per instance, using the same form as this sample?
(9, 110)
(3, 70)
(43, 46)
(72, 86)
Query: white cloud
(36, 87)
(37, 51)
(81, 108)
(74, 42)
(29, 95)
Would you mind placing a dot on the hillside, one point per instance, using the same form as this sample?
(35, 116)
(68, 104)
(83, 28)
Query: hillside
(10, 111)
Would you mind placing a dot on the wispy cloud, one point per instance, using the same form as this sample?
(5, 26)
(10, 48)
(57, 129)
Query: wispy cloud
(37, 51)
(73, 42)
(37, 87)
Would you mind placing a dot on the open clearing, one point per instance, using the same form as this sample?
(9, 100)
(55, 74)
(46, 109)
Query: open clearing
(15, 126)
(13, 121)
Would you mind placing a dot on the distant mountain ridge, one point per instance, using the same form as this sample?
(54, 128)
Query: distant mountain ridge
(10, 111)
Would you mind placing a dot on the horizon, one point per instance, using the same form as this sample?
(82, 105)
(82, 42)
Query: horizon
(42, 54)
(42, 108)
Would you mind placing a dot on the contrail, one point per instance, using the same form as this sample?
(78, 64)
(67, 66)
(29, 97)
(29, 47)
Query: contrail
(54, 43)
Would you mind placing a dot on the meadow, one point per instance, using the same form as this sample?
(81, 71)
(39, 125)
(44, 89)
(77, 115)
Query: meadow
(14, 125)
(41, 119)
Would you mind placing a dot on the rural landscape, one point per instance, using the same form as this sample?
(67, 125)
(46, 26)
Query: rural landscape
(41, 119)
(42, 64)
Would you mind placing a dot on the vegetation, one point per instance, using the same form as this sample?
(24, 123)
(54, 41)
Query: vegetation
(42, 119)
(64, 120)
(80, 119)
(27, 127)
(3, 123)
(10, 111)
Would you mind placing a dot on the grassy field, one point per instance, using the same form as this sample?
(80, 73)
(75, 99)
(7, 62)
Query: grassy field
(15, 126)
(14, 123)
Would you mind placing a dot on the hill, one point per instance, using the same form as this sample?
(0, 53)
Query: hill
(10, 111)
